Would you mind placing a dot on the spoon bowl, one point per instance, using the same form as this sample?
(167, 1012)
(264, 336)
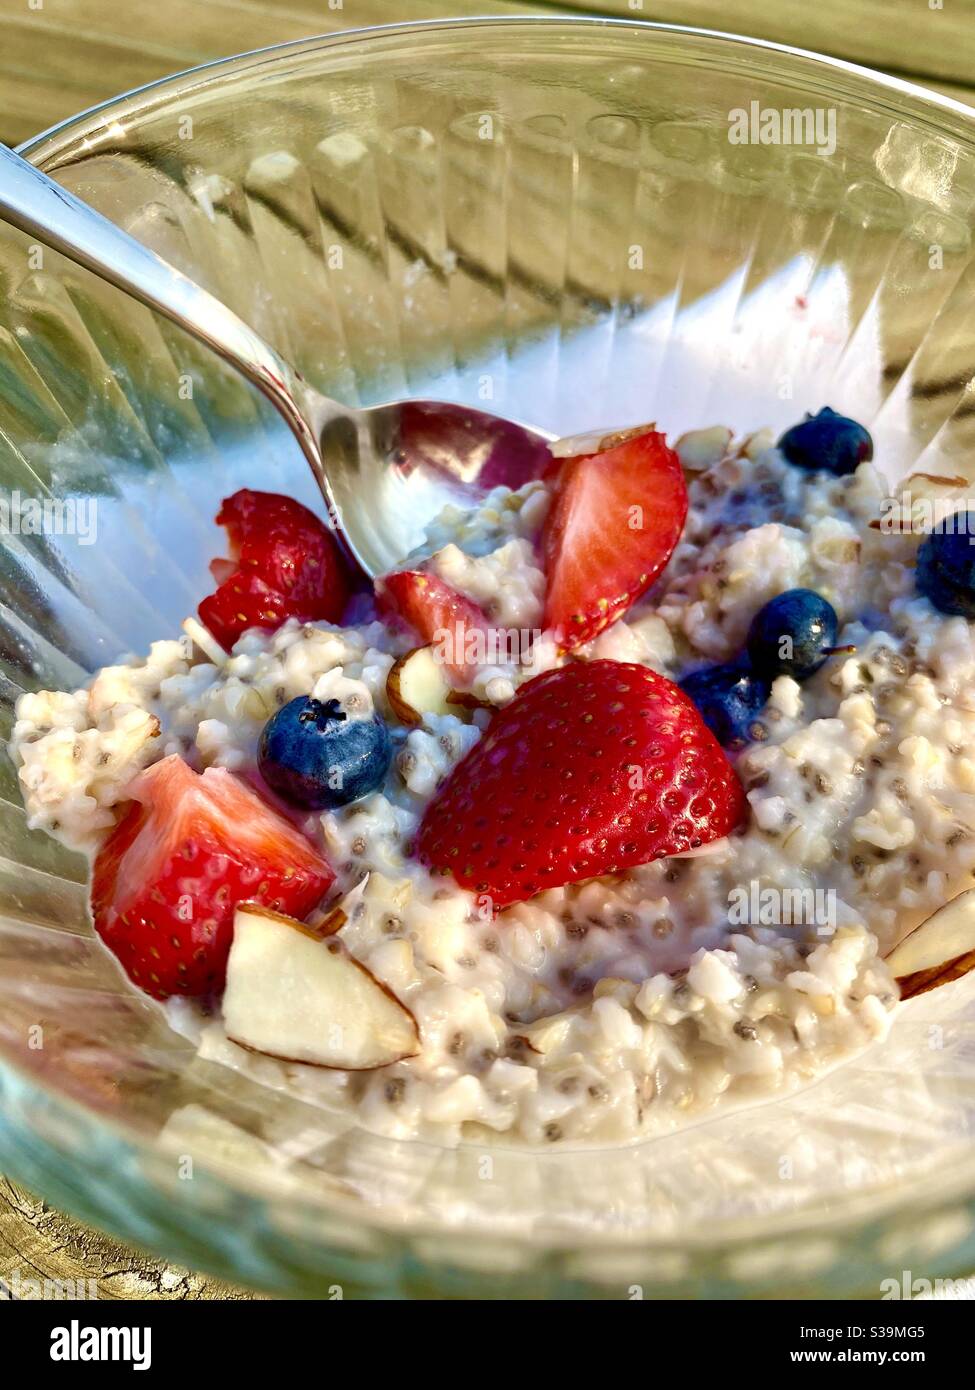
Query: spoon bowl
(385, 472)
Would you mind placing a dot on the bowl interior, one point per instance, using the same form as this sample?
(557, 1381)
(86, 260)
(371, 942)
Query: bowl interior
(548, 218)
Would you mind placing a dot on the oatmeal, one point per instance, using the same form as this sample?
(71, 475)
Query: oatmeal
(705, 967)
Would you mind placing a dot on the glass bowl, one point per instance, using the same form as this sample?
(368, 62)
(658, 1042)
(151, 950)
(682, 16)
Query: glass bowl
(550, 216)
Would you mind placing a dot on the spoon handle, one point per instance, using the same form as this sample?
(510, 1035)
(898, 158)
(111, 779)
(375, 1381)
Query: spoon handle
(39, 207)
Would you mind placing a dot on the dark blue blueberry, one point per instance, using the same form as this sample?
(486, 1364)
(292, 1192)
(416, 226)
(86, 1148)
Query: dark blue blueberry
(946, 565)
(829, 441)
(313, 755)
(729, 698)
(792, 634)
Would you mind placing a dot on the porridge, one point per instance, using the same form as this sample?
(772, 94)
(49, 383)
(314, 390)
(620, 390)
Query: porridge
(609, 805)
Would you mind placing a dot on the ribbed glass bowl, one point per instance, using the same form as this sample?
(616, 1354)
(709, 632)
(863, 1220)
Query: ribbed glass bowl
(547, 215)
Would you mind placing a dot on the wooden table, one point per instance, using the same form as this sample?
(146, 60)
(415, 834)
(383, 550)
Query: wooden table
(59, 56)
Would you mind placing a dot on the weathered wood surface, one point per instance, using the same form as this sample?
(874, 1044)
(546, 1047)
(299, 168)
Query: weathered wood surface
(59, 56)
(39, 1244)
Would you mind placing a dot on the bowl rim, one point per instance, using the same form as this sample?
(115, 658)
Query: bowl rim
(36, 146)
(956, 1179)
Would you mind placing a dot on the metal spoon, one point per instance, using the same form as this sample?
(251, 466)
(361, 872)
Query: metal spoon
(384, 472)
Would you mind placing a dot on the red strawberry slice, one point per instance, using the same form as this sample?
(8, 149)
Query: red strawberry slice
(241, 602)
(188, 849)
(439, 615)
(592, 768)
(285, 564)
(303, 575)
(615, 519)
(250, 515)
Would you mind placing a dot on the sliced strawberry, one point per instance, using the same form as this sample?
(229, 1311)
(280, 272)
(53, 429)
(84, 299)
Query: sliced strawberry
(241, 602)
(614, 521)
(279, 549)
(592, 768)
(304, 576)
(439, 615)
(189, 848)
(249, 515)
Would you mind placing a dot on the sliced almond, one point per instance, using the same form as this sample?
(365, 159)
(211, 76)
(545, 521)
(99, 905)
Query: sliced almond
(205, 642)
(595, 441)
(299, 998)
(940, 949)
(417, 685)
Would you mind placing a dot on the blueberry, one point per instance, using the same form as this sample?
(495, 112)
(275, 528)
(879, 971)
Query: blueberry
(729, 699)
(827, 441)
(946, 565)
(792, 634)
(312, 754)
